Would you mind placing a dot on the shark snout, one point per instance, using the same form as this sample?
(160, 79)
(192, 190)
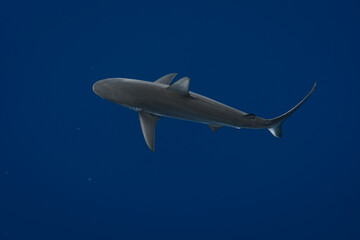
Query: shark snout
(99, 88)
(112, 89)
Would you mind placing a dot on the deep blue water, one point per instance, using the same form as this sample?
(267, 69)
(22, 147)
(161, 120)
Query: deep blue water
(74, 166)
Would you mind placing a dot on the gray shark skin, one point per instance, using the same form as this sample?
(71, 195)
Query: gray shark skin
(153, 100)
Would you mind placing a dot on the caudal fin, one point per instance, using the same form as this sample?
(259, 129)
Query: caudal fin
(275, 123)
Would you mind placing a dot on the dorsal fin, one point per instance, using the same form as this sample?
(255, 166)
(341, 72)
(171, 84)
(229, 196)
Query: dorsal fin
(148, 123)
(181, 86)
(215, 127)
(166, 79)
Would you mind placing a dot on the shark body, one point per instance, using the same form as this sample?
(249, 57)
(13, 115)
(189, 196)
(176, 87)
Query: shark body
(153, 100)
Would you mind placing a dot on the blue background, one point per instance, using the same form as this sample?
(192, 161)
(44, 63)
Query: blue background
(74, 166)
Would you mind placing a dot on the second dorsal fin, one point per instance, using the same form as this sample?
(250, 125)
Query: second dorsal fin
(181, 86)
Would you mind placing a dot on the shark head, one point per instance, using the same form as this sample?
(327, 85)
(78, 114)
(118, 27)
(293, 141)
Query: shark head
(112, 89)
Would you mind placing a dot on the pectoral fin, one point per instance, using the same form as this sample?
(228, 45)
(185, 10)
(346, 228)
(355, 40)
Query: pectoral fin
(148, 124)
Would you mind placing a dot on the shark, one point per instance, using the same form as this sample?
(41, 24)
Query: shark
(162, 98)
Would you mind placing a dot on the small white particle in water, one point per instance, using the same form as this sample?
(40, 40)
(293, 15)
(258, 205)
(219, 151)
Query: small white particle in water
(78, 129)
(89, 179)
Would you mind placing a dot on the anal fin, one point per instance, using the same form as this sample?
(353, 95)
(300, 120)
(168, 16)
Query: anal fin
(215, 127)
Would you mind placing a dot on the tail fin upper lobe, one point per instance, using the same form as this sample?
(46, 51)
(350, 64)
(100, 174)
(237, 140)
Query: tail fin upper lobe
(275, 123)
